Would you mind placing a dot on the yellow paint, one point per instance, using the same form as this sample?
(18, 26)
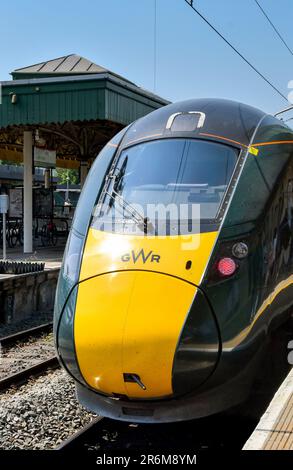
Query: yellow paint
(130, 322)
(253, 150)
(103, 253)
(129, 319)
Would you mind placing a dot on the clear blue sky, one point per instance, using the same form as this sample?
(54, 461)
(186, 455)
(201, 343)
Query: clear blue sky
(191, 60)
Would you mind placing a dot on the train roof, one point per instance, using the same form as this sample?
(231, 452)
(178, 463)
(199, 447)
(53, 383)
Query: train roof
(221, 119)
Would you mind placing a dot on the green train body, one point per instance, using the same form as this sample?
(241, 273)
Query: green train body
(152, 330)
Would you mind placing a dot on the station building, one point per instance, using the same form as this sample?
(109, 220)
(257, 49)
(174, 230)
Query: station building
(60, 113)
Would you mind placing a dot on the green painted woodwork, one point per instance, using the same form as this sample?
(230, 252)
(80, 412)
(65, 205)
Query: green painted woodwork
(62, 99)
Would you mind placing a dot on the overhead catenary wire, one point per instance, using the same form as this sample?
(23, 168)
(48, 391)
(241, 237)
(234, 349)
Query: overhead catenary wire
(155, 45)
(190, 4)
(274, 27)
(284, 110)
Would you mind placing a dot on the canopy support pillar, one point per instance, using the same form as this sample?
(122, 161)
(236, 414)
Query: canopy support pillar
(47, 178)
(27, 192)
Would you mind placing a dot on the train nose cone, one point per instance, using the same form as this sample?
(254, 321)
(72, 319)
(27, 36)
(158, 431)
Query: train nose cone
(127, 327)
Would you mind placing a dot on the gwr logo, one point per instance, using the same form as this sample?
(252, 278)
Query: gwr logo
(141, 254)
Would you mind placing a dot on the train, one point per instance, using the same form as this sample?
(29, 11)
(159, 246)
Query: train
(179, 263)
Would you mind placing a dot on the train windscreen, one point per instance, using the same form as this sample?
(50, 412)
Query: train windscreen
(164, 185)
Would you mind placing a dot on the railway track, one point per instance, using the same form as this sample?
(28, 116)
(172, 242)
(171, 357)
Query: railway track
(116, 437)
(23, 376)
(9, 340)
(78, 438)
(33, 370)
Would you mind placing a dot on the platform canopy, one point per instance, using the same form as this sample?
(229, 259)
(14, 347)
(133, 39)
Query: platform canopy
(70, 106)
(75, 106)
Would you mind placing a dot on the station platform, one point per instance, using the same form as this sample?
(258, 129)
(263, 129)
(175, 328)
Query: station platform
(28, 295)
(275, 429)
(51, 256)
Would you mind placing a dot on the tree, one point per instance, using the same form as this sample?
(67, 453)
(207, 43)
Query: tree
(63, 174)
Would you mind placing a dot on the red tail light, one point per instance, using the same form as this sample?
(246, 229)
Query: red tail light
(226, 266)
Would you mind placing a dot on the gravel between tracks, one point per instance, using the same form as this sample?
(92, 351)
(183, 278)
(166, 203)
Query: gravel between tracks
(41, 414)
(26, 353)
(35, 320)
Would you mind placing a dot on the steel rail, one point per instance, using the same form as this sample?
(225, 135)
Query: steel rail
(12, 339)
(71, 441)
(23, 376)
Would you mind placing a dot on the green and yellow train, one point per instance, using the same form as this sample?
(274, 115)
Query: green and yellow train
(166, 317)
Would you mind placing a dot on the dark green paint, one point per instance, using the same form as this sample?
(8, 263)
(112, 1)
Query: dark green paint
(41, 101)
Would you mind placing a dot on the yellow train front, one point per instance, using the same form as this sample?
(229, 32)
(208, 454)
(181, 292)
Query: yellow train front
(179, 262)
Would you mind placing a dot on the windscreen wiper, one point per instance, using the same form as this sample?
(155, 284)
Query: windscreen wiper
(141, 221)
(117, 175)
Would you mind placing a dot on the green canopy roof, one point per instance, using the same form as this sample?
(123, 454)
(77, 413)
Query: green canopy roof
(72, 64)
(74, 102)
